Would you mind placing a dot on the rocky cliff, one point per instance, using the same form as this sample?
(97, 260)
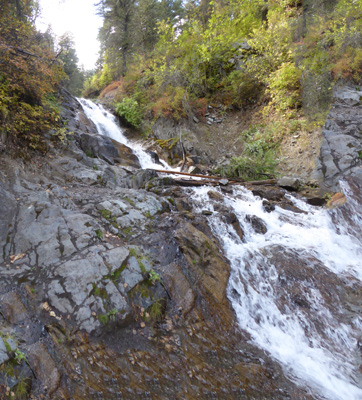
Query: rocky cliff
(341, 149)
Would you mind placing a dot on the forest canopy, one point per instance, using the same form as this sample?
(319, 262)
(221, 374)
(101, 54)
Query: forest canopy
(172, 57)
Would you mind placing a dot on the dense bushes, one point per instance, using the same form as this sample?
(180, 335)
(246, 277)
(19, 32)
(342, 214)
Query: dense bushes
(240, 52)
(130, 110)
(28, 79)
(282, 56)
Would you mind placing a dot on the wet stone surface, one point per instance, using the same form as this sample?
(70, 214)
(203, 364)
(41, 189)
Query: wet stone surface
(126, 267)
(110, 291)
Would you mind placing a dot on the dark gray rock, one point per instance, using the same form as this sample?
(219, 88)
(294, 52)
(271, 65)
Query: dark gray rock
(340, 153)
(167, 129)
(268, 193)
(13, 308)
(98, 146)
(140, 179)
(268, 206)
(257, 224)
(154, 156)
(115, 258)
(289, 183)
(132, 275)
(230, 218)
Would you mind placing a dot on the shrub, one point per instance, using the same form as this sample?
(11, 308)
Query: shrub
(111, 87)
(130, 110)
(244, 87)
(284, 87)
(251, 167)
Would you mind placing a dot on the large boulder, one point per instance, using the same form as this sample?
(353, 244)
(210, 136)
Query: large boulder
(108, 149)
(209, 269)
(168, 132)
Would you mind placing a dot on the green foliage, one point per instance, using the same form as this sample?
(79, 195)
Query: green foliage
(133, 252)
(19, 356)
(106, 77)
(242, 88)
(99, 233)
(284, 87)
(259, 159)
(280, 53)
(254, 167)
(106, 214)
(148, 214)
(89, 154)
(154, 277)
(108, 316)
(128, 28)
(22, 387)
(127, 231)
(156, 309)
(129, 109)
(67, 54)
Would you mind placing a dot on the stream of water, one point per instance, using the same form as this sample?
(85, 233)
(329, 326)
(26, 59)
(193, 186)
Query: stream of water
(107, 125)
(290, 287)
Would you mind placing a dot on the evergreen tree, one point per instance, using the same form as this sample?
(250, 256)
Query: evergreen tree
(68, 55)
(130, 28)
(116, 35)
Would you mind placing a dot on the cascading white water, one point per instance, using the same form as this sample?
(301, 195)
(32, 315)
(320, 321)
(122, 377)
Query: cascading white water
(107, 125)
(315, 341)
(313, 345)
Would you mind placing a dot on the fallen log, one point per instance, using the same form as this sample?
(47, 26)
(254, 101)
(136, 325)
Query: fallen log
(187, 174)
(192, 182)
(209, 179)
(264, 182)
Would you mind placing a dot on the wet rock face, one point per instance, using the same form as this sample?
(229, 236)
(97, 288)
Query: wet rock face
(108, 150)
(72, 115)
(115, 292)
(341, 150)
(57, 245)
(301, 279)
(230, 218)
(108, 290)
(44, 367)
(68, 247)
(257, 224)
(208, 268)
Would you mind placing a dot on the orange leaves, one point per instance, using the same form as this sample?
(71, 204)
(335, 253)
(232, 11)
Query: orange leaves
(111, 88)
(28, 74)
(342, 68)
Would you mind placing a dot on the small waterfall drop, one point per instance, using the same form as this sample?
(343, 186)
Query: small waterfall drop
(289, 287)
(107, 125)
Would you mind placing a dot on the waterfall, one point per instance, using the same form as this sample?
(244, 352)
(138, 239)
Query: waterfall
(310, 334)
(292, 287)
(107, 125)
